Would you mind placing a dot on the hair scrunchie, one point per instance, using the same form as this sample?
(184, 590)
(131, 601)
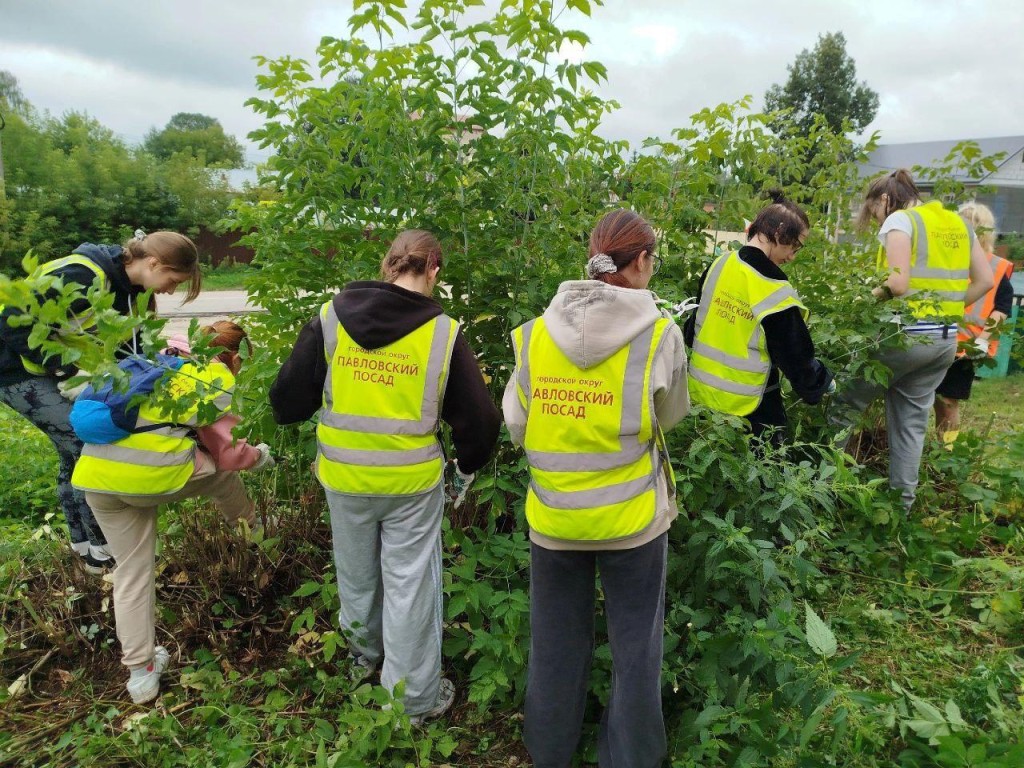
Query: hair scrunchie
(140, 235)
(599, 264)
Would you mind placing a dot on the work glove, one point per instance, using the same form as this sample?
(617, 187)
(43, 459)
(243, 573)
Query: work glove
(978, 349)
(265, 461)
(831, 390)
(71, 391)
(458, 486)
(685, 306)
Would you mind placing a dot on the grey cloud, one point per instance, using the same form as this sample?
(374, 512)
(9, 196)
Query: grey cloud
(943, 69)
(208, 43)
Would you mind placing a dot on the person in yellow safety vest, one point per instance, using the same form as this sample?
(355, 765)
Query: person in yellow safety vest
(750, 324)
(980, 318)
(929, 252)
(598, 378)
(382, 364)
(31, 382)
(126, 482)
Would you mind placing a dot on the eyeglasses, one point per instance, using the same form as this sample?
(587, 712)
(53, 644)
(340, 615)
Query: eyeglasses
(658, 261)
(799, 244)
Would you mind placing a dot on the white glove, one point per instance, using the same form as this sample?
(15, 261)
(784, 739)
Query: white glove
(460, 486)
(69, 392)
(265, 461)
(831, 390)
(980, 349)
(685, 306)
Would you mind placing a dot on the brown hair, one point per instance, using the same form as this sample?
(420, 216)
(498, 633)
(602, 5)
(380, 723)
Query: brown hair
(413, 251)
(899, 189)
(622, 235)
(230, 336)
(173, 251)
(782, 222)
(981, 218)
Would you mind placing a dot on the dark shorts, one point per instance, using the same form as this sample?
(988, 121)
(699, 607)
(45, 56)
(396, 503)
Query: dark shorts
(958, 381)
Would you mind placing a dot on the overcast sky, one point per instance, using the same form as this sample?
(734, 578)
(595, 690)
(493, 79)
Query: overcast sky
(944, 69)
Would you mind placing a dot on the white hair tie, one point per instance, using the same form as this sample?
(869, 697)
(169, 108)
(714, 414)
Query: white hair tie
(599, 264)
(140, 235)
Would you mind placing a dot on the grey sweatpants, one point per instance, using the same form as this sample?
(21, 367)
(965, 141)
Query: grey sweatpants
(387, 554)
(916, 373)
(562, 594)
(39, 401)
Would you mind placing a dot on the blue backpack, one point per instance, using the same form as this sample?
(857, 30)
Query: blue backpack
(105, 415)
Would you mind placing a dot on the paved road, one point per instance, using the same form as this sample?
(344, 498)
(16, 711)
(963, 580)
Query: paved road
(208, 307)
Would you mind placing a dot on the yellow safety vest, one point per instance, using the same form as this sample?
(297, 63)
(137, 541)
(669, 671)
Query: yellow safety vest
(162, 460)
(730, 365)
(940, 260)
(84, 322)
(376, 435)
(592, 442)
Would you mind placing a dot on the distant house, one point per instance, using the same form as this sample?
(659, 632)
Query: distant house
(1007, 182)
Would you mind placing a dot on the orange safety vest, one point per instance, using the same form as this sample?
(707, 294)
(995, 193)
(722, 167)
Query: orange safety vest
(976, 315)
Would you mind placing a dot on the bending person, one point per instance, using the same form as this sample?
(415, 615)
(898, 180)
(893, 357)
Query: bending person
(381, 363)
(597, 379)
(160, 261)
(926, 250)
(751, 324)
(126, 482)
(994, 307)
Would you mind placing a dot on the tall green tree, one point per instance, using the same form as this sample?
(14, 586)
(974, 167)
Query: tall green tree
(823, 81)
(11, 96)
(71, 180)
(196, 135)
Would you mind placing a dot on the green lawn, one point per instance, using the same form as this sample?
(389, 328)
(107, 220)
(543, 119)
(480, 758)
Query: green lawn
(1002, 399)
(227, 278)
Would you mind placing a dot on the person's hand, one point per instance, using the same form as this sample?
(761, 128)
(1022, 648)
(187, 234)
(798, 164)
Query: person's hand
(458, 485)
(980, 348)
(265, 461)
(71, 391)
(831, 389)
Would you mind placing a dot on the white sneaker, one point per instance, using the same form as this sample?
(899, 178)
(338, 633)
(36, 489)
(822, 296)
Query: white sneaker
(100, 551)
(445, 699)
(144, 683)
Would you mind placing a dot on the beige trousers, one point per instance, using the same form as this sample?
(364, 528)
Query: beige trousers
(129, 523)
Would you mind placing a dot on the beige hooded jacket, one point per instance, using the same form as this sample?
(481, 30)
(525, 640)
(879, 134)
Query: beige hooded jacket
(589, 321)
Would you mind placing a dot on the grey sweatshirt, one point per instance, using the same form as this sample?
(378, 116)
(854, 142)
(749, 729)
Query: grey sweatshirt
(590, 321)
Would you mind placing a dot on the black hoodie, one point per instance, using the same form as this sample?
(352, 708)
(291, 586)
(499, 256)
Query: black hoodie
(376, 314)
(14, 339)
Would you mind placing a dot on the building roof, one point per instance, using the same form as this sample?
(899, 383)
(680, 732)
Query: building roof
(889, 157)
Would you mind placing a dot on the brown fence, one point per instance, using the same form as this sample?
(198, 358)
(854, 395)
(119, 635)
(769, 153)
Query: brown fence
(222, 248)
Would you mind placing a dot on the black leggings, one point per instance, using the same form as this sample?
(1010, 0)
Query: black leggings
(39, 401)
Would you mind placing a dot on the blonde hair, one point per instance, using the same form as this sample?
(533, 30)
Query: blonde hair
(415, 251)
(173, 251)
(980, 217)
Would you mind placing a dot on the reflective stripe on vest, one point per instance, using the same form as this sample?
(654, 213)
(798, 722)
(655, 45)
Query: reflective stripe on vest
(940, 260)
(730, 366)
(976, 315)
(591, 438)
(377, 427)
(83, 322)
(163, 460)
